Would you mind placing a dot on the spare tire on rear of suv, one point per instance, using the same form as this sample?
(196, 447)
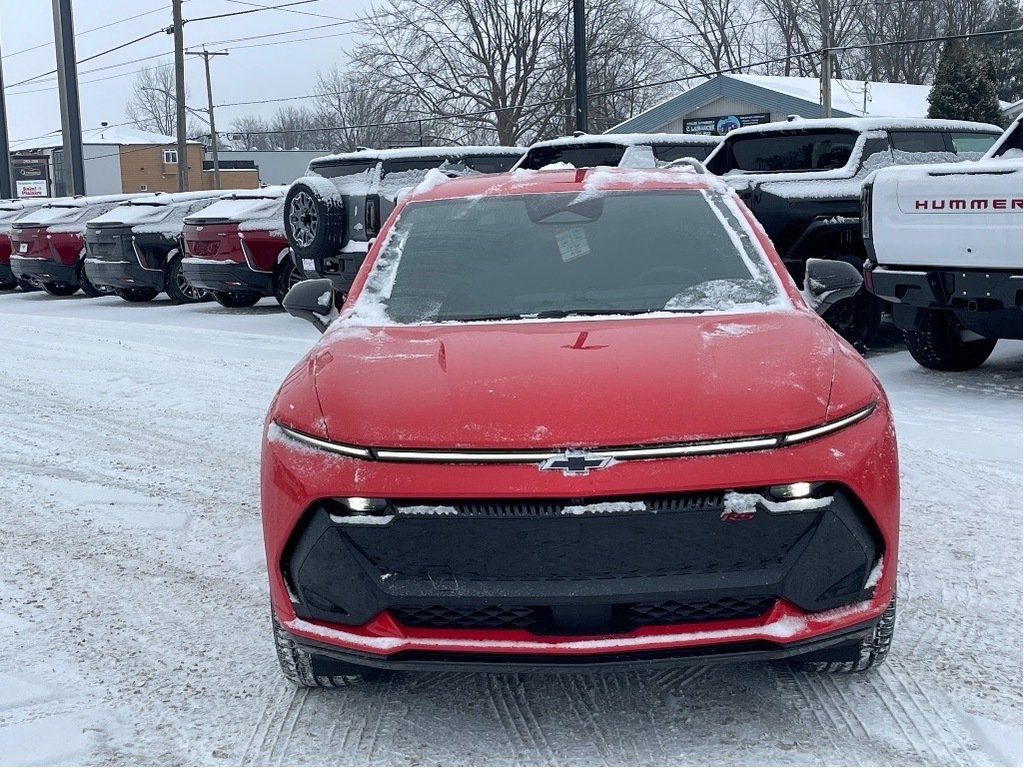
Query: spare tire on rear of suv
(314, 218)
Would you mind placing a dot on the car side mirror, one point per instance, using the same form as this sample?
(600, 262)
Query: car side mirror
(313, 301)
(827, 282)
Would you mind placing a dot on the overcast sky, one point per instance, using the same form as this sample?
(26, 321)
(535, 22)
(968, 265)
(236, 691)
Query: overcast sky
(259, 71)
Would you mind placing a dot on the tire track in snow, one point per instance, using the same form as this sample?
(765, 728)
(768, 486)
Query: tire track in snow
(260, 731)
(516, 717)
(939, 738)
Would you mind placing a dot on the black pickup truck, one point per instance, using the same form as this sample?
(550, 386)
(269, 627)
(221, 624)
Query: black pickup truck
(802, 179)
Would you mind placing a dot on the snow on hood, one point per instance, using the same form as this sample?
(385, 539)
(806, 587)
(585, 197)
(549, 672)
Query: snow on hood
(468, 386)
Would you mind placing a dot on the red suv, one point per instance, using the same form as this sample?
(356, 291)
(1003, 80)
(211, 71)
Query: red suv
(48, 244)
(9, 211)
(578, 418)
(236, 248)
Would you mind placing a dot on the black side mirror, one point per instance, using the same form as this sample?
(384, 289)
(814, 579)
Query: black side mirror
(313, 301)
(827, 282)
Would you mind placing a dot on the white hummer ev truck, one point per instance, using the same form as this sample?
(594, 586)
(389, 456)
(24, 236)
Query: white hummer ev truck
(944, 246)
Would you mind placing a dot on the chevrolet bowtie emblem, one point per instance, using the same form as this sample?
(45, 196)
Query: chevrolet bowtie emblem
(576, 462)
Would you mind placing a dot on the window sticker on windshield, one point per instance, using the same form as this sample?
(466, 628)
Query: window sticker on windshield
(572, 243)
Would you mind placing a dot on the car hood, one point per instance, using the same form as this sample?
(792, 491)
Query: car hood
(596, 383)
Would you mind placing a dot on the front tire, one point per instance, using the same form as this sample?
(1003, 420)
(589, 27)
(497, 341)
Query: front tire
(937, 344)
(308, 672)
(8, 285)
(237, 299)
(871, 651)
(178, 289)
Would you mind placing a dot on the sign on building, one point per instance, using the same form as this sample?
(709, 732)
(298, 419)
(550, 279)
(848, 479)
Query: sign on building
(722, 124)
(31, 178)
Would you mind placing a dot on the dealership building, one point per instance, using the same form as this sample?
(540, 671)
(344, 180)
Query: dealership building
(729, 101)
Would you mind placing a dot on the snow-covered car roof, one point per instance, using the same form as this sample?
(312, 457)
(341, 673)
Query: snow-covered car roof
(12, 209)
(412, 153)
(152, 207)
(631, 139)
(264, 204)
(863, 124)
(65, 210)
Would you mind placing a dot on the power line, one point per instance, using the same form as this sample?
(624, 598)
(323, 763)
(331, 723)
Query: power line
(289, 10)
(90, 58)
(87, 31)
(252, 10)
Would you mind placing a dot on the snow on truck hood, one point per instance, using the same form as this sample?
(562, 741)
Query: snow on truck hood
(630, 381)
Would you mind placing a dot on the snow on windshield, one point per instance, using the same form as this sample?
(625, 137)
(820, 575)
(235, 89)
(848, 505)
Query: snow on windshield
(543, 256)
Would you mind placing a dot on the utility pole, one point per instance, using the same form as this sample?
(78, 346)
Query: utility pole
(67, 85)
(5, 146)
(826, 62)
(580, 61)
(209, 100)
(179, 93)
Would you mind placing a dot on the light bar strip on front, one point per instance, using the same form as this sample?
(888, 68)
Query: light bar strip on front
(618, 454)
(325, 445)
(832, 426)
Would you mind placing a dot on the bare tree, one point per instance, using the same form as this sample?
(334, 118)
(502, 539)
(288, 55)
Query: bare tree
(365, 115)
(151, 105)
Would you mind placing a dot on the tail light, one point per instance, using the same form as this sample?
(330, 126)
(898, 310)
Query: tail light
(865, 211)
(372, 218)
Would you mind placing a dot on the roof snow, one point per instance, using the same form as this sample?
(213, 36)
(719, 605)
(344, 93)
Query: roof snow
(108, 135)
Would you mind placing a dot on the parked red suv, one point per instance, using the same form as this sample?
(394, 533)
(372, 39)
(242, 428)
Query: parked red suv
(48, 244)
(237, 248)
(572, 418)
(9, 211)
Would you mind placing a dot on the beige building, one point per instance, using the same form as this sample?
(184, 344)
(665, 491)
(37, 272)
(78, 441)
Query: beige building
(122, 160)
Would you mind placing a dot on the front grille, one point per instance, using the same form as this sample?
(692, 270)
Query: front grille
(491, 616)
(203, 247)
(620, 618)
(679, 502)
(674, 612)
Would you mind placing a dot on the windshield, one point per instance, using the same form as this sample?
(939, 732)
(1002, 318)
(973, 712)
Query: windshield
(565, 254)
(785, 151)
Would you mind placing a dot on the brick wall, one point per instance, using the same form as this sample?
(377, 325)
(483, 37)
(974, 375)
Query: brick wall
(145, 166)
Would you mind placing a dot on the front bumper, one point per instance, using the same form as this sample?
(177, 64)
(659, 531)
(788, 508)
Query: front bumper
(431, 565)
(986, 301)
(785, 633)
(213, 275)
(40, 270)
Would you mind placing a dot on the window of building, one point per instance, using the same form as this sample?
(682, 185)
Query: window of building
(170, 157)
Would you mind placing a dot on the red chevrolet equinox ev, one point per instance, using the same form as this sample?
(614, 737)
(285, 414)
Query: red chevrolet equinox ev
(577, 418)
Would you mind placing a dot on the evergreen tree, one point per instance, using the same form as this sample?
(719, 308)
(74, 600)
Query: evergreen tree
(964, 87)
(1006, 51)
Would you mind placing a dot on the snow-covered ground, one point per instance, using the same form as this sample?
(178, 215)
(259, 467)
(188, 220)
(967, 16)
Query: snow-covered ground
(133, 605)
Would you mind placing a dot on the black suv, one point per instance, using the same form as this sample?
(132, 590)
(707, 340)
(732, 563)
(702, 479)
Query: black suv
(333, 212)
(802, 179)
(618, 149)
(136, 248)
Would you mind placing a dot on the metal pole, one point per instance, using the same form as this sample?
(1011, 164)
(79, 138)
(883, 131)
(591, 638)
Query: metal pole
(6, 186)
(580, 60)
(209, 100)
(826, 63)
(179, 94)
(67, 85)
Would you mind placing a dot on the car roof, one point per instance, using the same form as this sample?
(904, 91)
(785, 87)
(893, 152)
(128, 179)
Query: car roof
(864, 124)
(524, 182)
(413, 153)
(631, 139)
